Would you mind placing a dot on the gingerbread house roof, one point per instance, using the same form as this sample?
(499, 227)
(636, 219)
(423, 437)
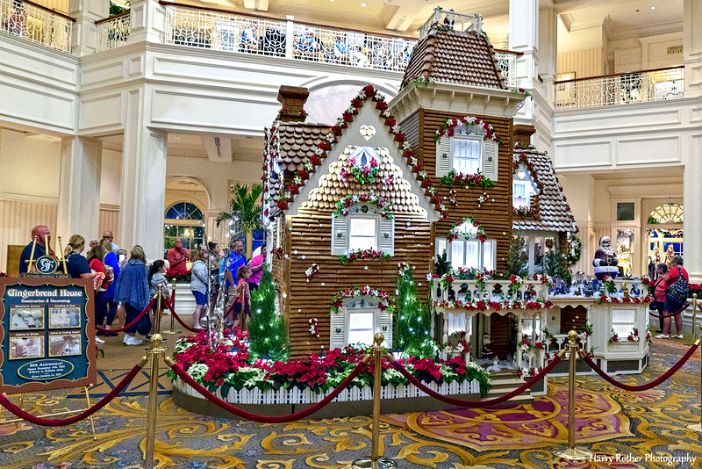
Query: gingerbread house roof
(457, 57)
(553, 211)
(300, 151)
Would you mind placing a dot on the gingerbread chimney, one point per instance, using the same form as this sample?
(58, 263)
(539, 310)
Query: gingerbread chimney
(293, 100)
(522, 135)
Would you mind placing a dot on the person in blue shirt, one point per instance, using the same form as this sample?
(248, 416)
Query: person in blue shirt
(234, 260)
(76, 264)
(132, 291)
(111, 261)
(41, 232)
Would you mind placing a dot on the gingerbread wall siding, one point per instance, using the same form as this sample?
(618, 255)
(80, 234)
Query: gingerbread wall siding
(495, 217)
(310, 244)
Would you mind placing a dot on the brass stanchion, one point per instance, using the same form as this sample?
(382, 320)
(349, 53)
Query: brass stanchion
(694, 317)
(172, 330)
(155, 352)
(697, 427)
(572, 453)
(376, 462)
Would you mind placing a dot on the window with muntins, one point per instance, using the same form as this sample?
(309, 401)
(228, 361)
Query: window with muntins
(362, 229)
(466, 154)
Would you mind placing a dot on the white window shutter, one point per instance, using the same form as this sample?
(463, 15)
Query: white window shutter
(386, 241)
(490, 165)
(489, 254)
(443, 156)
(337, 329)
(340, 236)
(385, 327)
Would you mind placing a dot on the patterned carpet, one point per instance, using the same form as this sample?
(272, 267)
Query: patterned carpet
(645, 430)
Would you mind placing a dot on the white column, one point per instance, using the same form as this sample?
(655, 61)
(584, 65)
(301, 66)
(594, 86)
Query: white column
(548, 49)
(143, 181)
(84, 38)
(692, 202)
(79, 188)
(524, 38)
(692, 47)
(148, 21)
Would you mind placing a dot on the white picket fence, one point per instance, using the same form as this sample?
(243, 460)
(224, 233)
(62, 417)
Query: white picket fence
(306, 396)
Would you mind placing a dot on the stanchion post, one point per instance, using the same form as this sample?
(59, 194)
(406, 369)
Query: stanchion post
(698, 426)
(155, 352)
(375, 461)
(572, 453)
(694, 317)
(172, 330)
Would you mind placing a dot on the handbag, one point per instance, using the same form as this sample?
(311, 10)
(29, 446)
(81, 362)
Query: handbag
(678, 290)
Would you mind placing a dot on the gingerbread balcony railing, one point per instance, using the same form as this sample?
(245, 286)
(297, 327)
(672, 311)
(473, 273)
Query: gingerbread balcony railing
(624, 88)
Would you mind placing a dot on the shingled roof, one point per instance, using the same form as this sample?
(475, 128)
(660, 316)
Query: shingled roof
(554, 213)
(457, 57)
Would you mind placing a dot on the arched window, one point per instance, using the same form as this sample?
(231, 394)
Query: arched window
(183, 220)
(666, 214)
(523, 187)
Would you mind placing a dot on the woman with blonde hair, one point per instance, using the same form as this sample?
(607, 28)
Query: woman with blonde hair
(76, 264)
(132, 291)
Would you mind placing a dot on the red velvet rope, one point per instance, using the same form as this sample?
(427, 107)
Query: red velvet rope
(182, 374)
(477, 403)
(670, 315)
(175, 315)
(641, 387)
(24, 415)
(127, 326)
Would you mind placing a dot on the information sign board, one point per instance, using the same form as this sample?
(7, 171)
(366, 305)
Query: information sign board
(47, 334)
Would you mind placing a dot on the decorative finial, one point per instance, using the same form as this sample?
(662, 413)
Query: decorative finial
(572, 336)
(379, 338)
(156, 340)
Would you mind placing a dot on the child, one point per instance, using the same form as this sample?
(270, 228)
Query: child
(156, 277)
(242, 304)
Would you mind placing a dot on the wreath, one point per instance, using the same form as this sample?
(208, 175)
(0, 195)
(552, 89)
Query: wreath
(455, 233)
(575, 249)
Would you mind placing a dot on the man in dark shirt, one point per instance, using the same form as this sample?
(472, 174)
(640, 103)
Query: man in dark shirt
(41, 232)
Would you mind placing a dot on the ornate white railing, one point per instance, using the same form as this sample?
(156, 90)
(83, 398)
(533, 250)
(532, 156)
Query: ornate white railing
(450, 20)
(297, 396)
(36, 23)
(211, 29)
(625, 88)
(507, 61)
(113, 31)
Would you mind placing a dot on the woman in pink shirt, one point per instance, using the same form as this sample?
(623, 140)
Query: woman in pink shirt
(671, 306)
(257, 263)
(659, 288)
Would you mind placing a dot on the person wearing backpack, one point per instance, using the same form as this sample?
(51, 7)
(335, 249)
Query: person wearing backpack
(677, 279)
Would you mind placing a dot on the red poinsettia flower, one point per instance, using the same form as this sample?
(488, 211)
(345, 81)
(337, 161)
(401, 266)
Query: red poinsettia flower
(391, 122)
(356, 102)
(369, 90)
(282, 204)
(293, 189)
(315, 160)
(336, 131)
(347, 117)
(381, 105)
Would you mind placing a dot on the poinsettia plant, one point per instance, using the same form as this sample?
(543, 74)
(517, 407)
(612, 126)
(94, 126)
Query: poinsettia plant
(228, 367)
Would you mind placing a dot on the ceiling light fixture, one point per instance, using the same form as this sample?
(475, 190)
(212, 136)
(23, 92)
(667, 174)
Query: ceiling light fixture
(653, 8)
(363, 4)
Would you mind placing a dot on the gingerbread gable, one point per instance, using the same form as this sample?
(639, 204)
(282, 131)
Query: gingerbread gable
(318, 181)
(552, 212)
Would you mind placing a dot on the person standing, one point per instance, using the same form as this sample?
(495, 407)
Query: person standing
(214, 260)
(178, 258)
(111, 262)
(677, 279)
(242, 304)
(41, 232)
(257, 264)
(198, 285)
(76, 264)
(100, 283)
(233, 262)
(659, 288)
(156, 277)
(109, 236)
(132, 291)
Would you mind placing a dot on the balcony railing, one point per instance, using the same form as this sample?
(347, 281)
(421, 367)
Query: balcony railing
(36, 23)
(220, 30)
(626, 88)
(113, 31)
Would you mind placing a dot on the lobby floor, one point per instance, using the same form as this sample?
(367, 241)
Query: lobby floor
(623, 429)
